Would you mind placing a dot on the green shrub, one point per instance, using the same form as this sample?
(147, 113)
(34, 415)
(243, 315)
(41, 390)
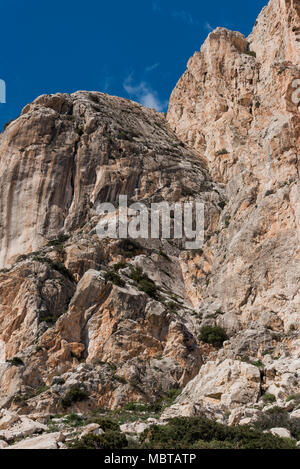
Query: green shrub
(59, 381)
(61, 268)
(41, 389)
(222, 152)
(213, 445)
(193, 432)
(105, 423)
(136, 407)
(59, 241)
(114, 278)
(119, 266)
(294, 397)
(76, 394)
(213, 335)
(258, 363)
(173, 307)
(45, 317)
(22, 258)
(277, 417)
(227, 221)
(282, 70)
(55, 265)
(110, 440)
(120, 379)
(126, 135)
(171, 396)
(22, 397)
(273, 418)
(8, 123)
(129, 248)
(137, 274)
(16, 361)
(148, 286)
(251, 52)
(79, 131)
(294, 428)
(269, 398)
(222, 204)
(144, 283)
(157, 407)
(74, 420)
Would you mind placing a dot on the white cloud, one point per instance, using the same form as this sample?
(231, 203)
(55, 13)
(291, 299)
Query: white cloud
(144, 94)
(208, 26)
(106, 84)
(181, 15)
(184, 16)
(152, 67)
(106, 81)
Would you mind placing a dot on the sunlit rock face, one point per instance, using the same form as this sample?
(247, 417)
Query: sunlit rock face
(67, 153)
(62, 157)
(235, 106)
(121, 319)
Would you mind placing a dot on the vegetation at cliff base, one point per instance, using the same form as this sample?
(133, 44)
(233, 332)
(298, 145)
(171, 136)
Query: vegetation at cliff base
(109, 440)
(201, 433)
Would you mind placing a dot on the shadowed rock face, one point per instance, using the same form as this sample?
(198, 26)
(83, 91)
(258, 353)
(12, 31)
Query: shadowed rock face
(231, 141)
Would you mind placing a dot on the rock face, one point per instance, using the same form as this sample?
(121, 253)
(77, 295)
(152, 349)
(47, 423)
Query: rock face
(46, 441)
(234, 105)
(224, 385)
(65, 154)
(87, 323)
(15, 427)
(61, 157)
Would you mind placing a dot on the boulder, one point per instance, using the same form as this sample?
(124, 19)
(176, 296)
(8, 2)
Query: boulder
(282, 432)
(7, 419)
(219, 386)
(3, 444)
(92, 428)
(22, 428)
(46, 441)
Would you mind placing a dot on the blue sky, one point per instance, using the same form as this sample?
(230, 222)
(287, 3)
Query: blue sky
(134, 48)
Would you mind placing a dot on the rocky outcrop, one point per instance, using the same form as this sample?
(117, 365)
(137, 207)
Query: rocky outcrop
(220, 387)
(62, 157)
(14, 427)
(89, 323)
(234, 106)
(47, 441)
(67, 153)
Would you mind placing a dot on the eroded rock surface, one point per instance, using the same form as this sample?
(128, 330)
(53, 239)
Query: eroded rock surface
(234, 105)
(87, 323)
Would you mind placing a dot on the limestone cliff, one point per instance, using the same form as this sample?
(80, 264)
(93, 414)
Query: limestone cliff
(122, 320)
(234, 105)
(59, 159)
